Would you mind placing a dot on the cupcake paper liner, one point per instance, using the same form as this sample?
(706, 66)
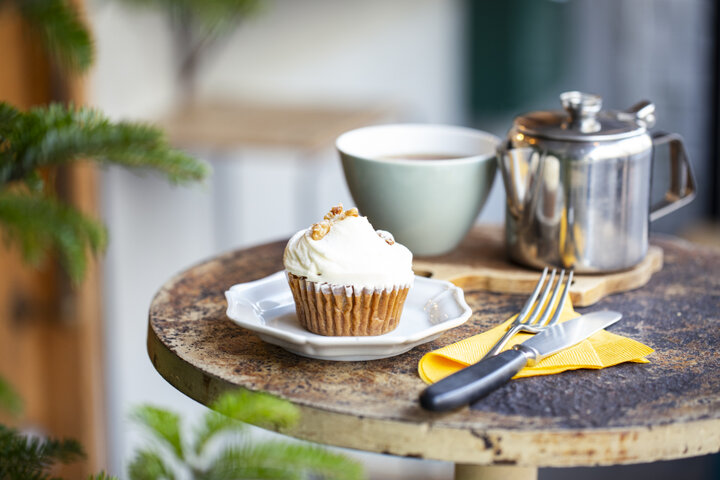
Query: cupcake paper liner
(338, 310)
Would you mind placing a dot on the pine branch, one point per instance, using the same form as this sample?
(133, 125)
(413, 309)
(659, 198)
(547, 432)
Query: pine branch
(39, 223)
(272, 460)
(58, 135)
(8, 116)
(9, 399)
(163, 425)
(59, 26)
(149, 465)
(64, 451)
(29, 458)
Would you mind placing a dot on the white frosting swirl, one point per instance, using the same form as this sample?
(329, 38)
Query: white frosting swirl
(351, 253)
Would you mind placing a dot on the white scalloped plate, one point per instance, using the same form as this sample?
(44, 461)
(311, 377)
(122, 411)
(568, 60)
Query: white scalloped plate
(266, 307)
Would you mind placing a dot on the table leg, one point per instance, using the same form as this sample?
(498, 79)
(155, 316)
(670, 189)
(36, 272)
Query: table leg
(492, 472)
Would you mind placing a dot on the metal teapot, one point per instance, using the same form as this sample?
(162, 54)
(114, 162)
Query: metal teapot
(578, 185)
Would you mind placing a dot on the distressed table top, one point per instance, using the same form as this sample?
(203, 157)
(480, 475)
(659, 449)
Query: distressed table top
(630, 413)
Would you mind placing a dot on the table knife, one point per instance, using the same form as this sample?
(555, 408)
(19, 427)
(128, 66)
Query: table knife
(477, 380)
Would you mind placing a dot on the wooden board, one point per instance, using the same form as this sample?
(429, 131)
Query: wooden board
(480, 263)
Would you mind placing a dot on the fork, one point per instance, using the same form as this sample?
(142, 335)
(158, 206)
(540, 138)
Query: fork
(527, 320)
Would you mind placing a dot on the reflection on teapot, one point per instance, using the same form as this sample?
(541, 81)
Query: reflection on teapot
(578, 185)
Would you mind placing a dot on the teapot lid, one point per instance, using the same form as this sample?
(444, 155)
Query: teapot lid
(582, 120)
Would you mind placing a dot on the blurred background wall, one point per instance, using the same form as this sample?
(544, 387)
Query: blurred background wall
(522, 53)
(338, 61)
(347, 64)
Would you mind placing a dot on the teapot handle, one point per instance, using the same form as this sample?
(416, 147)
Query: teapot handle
(682, 179)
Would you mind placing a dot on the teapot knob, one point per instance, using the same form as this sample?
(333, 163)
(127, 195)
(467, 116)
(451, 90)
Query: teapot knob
(582, 109)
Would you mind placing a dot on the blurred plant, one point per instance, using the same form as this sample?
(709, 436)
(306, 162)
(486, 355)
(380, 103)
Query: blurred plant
(102, 476)
(59, 27)
(221, 449)
(33, 142)
(32, 145)
(27, 457)
(198, 27)
(24, 457)
(10, 401)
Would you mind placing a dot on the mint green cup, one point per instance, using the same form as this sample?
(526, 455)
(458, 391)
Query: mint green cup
(425, 184)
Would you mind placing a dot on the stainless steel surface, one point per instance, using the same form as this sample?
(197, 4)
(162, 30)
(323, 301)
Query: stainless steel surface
(582, 110)
(565, 335)
(583, 120)
(682, 184)
(643, 112)
(527, 320)
(578, 185)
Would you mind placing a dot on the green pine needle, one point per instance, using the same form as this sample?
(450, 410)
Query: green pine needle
(57, 135)
(64, 451)
(38, 223)
(163, 425)
(59, 27)
(30, 458)
(8, 116)
(10, 401)
(47, 137)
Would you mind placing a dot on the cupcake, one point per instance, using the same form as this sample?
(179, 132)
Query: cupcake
(347, 278)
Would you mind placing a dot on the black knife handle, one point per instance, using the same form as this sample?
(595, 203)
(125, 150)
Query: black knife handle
(473, 382)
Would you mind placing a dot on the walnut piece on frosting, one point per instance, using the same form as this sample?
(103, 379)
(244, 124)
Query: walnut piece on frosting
(336, 214)
(387, 236)
(336, 210)
(319, 230)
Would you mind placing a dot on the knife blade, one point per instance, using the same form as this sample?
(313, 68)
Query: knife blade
(477, 380)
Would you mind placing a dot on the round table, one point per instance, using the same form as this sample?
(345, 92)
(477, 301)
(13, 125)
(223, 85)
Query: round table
(630, 413)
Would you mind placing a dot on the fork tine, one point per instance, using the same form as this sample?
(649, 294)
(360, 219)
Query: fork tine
(558, 310)
(531, 301)
(551, 303)
(528, 324)
(541, 303)
(519, 321)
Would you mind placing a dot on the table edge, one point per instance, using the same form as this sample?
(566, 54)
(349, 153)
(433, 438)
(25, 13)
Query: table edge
(431, 440)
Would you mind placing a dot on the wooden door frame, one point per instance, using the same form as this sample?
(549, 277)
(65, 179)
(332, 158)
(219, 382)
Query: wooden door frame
(51, 336)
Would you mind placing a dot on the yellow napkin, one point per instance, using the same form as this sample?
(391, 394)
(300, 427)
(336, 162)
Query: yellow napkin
(603, 349)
